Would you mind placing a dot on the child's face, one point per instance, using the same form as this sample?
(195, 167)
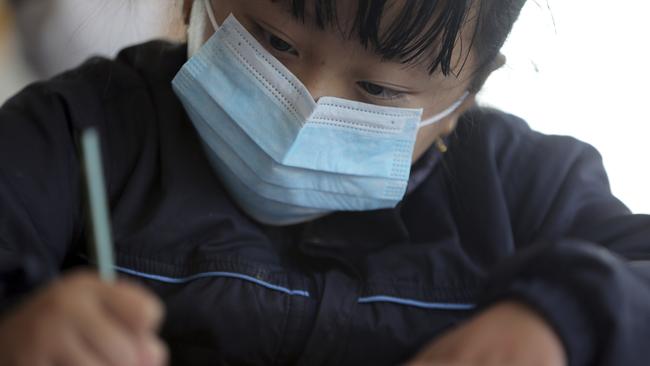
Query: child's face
(328, 64)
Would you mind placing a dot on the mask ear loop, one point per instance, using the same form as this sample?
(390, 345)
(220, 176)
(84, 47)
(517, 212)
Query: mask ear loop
(210, 11)
(446, 113)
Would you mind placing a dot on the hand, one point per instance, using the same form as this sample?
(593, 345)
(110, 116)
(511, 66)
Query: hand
(81, 321)
(508, 334)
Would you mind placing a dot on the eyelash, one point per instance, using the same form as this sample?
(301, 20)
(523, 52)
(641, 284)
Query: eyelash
(271, 38)
(386, 93)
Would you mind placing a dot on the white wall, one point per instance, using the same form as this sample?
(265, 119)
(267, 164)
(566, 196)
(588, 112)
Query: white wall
(66, 32)
(582, 69)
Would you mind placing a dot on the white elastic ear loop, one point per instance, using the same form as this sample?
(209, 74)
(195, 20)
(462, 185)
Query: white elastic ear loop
(446, 113)
(210, 11)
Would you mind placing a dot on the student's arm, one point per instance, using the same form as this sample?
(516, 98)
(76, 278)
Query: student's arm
(586, 266)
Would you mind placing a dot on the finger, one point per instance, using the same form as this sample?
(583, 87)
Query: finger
(153, 352)
(107, 338)
(134, 306)
(75, 352)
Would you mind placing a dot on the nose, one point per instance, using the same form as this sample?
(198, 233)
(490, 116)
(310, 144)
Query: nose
(322, 82)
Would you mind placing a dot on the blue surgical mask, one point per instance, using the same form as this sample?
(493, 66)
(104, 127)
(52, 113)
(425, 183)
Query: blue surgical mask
(284, 157)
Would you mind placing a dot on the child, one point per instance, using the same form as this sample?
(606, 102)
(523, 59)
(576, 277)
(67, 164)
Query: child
(315, 186)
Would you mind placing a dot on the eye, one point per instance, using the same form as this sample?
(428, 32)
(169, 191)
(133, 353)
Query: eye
(280, 44)
(378, 91)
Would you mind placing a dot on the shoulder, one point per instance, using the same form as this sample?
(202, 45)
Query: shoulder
(136, 68)
(514, 148)
(91, 88)
(121, 97)
(125, 98)
(545, 181)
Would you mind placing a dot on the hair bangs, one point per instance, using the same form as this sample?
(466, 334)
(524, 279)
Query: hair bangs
(410, 31)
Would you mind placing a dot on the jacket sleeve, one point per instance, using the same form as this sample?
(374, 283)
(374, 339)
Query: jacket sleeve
(39, 191)
(586, 265)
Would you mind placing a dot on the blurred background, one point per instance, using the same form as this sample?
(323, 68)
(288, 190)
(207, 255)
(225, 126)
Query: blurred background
(577, 67)
(580, 68)
(41, 38)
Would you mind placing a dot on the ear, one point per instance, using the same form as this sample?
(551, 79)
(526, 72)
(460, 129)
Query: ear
(483, 76)
(187, 10)
(498, 63)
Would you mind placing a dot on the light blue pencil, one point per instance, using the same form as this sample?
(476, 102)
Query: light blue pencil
(97, 204)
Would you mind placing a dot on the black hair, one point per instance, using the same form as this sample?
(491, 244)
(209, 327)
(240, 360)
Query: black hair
(424, 30)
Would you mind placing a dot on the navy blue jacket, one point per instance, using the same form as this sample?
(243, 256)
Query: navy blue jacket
(507, 213)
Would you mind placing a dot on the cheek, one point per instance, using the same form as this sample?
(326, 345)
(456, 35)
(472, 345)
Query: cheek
(222, 9)
(207, 33)
(426, 137)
